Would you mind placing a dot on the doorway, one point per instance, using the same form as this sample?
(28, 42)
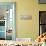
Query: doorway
(7, 21)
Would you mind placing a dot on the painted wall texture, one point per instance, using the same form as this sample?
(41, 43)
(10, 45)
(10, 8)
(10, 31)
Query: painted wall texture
(27, 28)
